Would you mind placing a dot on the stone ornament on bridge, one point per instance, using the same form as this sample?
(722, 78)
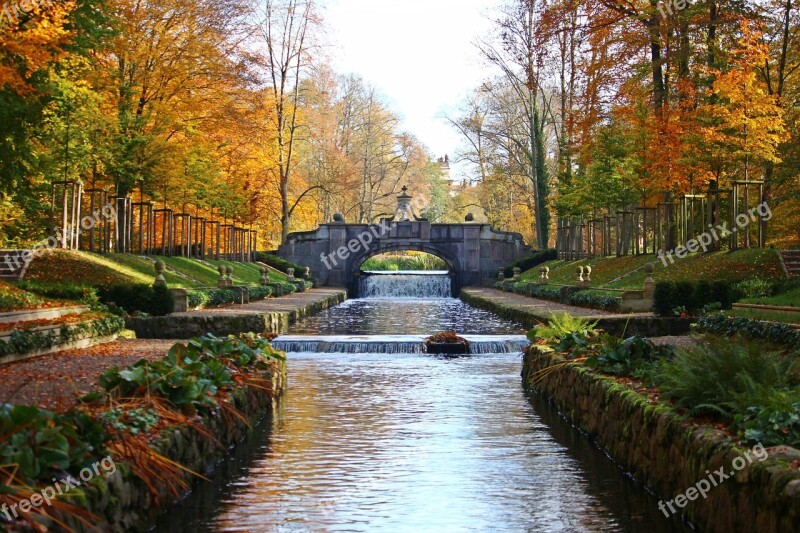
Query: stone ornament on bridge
(404, 211)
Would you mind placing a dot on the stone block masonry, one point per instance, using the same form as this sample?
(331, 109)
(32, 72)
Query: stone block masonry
(669, 454)
(273, 315)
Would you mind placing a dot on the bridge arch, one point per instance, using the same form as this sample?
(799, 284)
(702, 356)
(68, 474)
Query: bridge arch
(450, 259)
(335, 251)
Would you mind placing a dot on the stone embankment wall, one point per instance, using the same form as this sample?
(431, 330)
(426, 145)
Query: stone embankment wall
(126, 503)
(670, 454)
(273, 315)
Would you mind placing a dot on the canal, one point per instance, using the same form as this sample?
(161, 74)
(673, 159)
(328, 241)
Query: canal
(368, 438)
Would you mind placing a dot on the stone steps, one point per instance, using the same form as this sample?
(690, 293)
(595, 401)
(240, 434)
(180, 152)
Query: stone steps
(33, 332)
(11, 265)
(791, 259)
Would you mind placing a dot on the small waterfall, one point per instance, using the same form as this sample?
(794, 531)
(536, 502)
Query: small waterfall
(405, 284)
(393, 344)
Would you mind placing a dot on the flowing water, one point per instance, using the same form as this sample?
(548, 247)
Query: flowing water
(405, 284)
(408, 441)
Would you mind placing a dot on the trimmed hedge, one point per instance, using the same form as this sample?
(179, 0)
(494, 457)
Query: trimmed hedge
(535, 259)
(61, 291)
(143, 298)
(280, 263)
(693, 295)
(259, 293)
(211, 297)
(596, 301)
(777, 332)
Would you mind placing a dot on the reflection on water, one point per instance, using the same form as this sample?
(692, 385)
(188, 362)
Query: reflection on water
(405, 316)
(409, 442)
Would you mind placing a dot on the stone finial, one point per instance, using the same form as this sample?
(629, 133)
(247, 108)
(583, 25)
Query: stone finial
(546, 274)
(338, 218)
(229, 272)
(306, 272)
(159, 281)
(501, 275)
(290, 273)
(649, 282)
(469, 217)
(517, 272)
(264, 279)
(579, 271)
(221, 282)
(587, 270)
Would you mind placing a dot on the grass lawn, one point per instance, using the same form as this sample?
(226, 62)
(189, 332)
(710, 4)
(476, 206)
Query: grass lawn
(627, 272)
(790, 298)
(772, 316)
(81, 268)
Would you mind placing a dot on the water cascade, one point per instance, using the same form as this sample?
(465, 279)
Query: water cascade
(393, 344)
(405, 284)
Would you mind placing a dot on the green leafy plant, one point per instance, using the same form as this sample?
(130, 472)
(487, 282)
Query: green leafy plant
(629, 357)
(721, 324)
(41, 443)
(566, 333)
(156, 301)
(134, 420)
(723, 378)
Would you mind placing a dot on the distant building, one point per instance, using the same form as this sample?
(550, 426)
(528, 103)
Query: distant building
(454, 185)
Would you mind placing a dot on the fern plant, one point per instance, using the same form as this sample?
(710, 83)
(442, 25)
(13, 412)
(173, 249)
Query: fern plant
(565, 333)
(724, 378)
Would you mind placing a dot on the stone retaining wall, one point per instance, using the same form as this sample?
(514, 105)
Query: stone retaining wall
(669, 454)
(227, 321)
(620, 325)
(124, 500)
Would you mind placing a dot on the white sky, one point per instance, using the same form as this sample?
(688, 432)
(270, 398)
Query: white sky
(418, 53)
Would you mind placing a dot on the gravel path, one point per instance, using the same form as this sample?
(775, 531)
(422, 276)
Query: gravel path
(538, 306)
(284, 304)
(55, 380)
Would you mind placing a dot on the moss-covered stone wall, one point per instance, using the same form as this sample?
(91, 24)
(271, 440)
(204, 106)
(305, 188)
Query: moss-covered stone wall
(669, 453)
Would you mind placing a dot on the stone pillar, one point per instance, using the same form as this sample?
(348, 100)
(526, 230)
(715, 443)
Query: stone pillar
(544, 276)
(159, 281)
(579, 271)
(517, 274)
(264, 277)
(649, 282)
(229, 272)
(501, 275)
(290, 273)
(587, 276)
(221, 282)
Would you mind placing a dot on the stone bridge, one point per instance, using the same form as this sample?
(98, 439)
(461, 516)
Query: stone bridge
(473, 252)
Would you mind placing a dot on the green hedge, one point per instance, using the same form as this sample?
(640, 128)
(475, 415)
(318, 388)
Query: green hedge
(61, 291)
(142, 298)
(259, 293)
(777, 332)
(211, 297)
(279, 263)
(535, 259)
(596, 301)
(693, 295)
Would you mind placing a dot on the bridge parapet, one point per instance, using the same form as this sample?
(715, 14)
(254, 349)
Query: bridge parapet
(473, 252)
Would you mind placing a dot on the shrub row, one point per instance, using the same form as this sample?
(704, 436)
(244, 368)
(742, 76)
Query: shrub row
(24, 341)
(211, 297)
(139, 298)
(777, 332)
(279, 263)
(61, 291)
(595, 301)
(693, 295)
(549, 292)
(535, 259)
